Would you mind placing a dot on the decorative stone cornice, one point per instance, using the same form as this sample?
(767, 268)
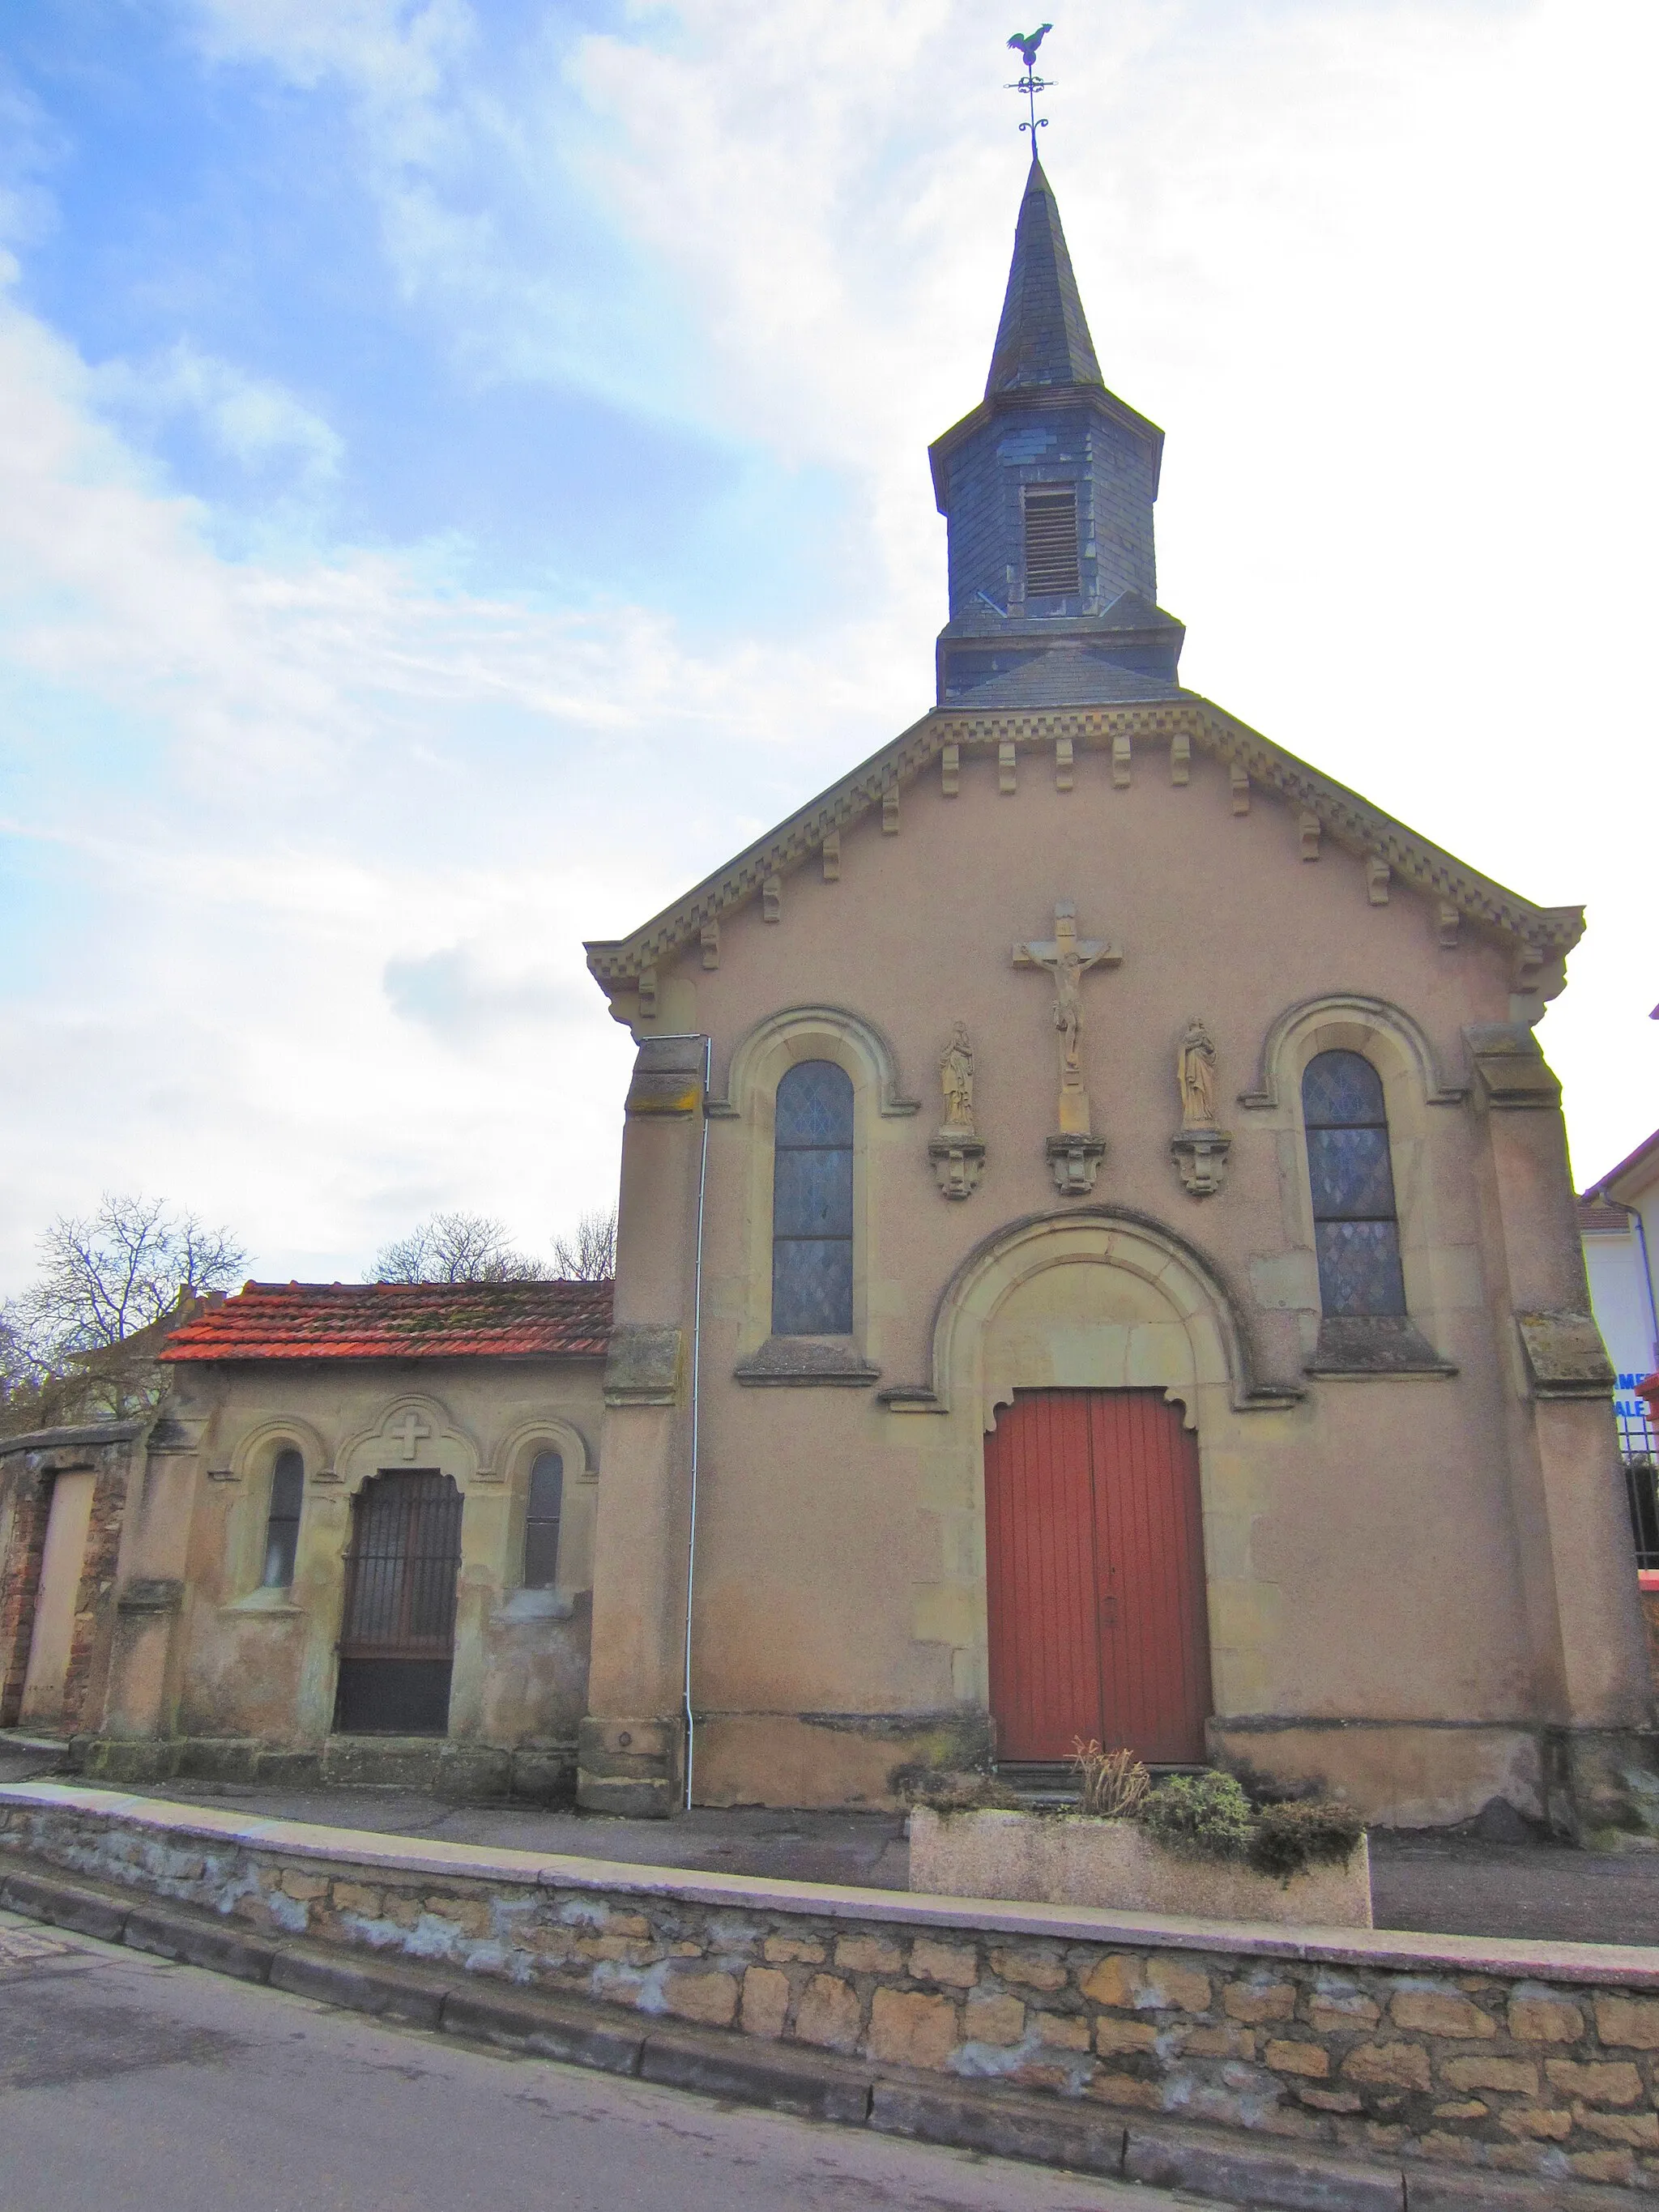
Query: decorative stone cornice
(1541, 936)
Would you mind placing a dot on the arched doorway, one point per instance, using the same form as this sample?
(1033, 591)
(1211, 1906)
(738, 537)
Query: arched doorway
(398, 1636)
(1095, 1588)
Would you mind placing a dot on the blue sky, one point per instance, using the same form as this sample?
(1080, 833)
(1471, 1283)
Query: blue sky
(462, 474)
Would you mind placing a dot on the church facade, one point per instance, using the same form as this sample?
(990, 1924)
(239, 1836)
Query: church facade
(1096, 1259)
(1098, 1252)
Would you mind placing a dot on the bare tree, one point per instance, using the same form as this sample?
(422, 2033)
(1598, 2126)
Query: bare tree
(71, 1342)
(456, 1247)
(588, 1253)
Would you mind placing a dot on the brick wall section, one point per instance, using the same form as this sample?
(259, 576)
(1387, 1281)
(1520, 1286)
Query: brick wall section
(20, 1580)
(29, 1475)
(1303, 2037)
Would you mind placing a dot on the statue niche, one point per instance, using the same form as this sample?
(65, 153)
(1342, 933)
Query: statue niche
(1200, 1146)
(955, 1151)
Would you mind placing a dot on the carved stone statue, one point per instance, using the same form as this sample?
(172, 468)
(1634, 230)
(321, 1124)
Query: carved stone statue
(1199, 1147)
(955, 1075)
(1195, 1075)
(955, 1151)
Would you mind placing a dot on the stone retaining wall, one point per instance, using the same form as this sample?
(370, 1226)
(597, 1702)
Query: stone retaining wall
(1432, 2051)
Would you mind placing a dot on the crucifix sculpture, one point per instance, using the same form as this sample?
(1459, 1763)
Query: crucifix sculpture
(1073, 1152)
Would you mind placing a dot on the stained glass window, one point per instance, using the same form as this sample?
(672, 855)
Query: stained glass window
(541, 1521)
(812, 1203)
(288, 1485)
(1355, 1233)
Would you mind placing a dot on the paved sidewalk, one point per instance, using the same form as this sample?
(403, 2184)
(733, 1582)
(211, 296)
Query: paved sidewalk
(1447, 1883)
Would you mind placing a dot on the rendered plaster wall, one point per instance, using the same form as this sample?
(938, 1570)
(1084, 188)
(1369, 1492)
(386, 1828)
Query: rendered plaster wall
(252, 1662)
(1506, 2059)
(1385, 1549)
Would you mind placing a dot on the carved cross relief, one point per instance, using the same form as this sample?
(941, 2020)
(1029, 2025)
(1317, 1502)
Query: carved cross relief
(1073, 1151)
(409, 1432)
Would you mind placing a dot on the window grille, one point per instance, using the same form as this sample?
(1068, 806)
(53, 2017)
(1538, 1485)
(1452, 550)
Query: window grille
(288, 1485)
(1051, 543)
(1639, 1448)
(541, 1521)
(812, 1202)
(1356, 1232)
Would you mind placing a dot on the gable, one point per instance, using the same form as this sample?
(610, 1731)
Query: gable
(1135, 739)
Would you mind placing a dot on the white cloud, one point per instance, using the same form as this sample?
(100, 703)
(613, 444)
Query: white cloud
(249, 419)
(1372, 266)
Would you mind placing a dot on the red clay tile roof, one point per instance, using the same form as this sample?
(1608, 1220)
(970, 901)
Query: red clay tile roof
(402, 1321)
(1600, 1217)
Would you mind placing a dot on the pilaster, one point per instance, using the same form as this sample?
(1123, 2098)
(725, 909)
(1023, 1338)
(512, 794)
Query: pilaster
(631, 1754)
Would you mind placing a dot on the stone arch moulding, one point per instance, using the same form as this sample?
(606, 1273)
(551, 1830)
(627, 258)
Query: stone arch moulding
(863, 1037)
(547, 1429)
(446, 1444)
(283, 1429)
(1349, 1005)
(1137, 1242)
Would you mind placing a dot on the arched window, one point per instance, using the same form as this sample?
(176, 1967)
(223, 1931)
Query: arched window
(541, 1521)
(812, 1203)
(288, 1488)
(1356, 1231)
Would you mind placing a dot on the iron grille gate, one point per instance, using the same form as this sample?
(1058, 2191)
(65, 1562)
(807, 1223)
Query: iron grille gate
(398, 1639)
(1639, 1449)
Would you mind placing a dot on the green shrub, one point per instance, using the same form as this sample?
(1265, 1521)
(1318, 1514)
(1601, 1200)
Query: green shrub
(1207, 1813)
(1291, 1839)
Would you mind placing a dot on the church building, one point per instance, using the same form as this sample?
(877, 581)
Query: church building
(1098, 1255)
(1096, 1259)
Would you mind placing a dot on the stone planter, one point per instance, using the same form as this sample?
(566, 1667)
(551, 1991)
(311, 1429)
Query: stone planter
(1065, 1858)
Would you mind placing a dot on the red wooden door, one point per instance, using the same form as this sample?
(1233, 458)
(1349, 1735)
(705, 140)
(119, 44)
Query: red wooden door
(1094, 1576)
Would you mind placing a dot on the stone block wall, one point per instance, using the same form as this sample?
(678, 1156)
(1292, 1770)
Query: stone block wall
(1517, 2058)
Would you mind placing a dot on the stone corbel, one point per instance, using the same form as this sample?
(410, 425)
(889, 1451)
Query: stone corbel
(644, 1366)
(1072, 1161)
(1512, 1070)
(1201, 1156)
(1565, 1356)
(958, 1164)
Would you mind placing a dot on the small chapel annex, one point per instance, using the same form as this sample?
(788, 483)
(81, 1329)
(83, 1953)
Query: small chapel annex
(1098, 1258)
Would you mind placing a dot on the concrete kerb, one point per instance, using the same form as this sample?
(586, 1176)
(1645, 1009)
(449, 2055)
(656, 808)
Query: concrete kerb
(978, 2114)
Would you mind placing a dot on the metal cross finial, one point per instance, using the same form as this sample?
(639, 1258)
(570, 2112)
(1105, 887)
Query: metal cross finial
(1025, 45)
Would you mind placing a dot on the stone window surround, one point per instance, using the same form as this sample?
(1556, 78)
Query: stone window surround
(516, 1457)
(1397, 1048)
(757, 1065)
(253, 1466)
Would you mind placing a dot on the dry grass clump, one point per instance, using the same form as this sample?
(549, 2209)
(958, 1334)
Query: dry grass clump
(1113, 1783)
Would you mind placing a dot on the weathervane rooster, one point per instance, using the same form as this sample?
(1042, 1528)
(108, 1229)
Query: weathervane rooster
(1025, 45)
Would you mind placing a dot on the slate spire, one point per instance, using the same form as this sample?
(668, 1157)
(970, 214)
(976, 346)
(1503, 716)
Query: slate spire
(1044, 337)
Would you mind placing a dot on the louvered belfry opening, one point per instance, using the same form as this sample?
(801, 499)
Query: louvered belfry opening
(398, 1641)
(1095, 1582)
(1051, 543)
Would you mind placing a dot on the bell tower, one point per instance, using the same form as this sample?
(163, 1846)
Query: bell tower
(1046, 490)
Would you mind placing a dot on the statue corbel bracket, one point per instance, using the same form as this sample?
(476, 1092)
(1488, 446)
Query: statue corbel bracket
(1200, 1155)
(958, 1163)
(1072, 1161)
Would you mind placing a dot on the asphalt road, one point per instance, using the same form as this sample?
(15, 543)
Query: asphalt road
(137, 2085)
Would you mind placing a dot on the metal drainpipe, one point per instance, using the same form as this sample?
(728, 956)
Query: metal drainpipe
(696, 1363)
(1647, 1277)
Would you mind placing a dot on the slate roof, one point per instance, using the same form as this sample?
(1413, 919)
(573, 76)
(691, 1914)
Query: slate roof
(402, 1321)
(1066, 676)
(1044, 337)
